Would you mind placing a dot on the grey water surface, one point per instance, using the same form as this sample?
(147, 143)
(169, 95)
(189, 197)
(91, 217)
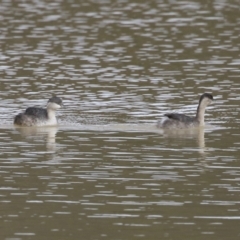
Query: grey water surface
(106, 171)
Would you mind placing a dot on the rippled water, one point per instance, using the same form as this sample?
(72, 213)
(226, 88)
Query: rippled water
(106, 172)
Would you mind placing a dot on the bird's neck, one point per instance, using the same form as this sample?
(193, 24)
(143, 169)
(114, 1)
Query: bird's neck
(51, 116)
(201, 112)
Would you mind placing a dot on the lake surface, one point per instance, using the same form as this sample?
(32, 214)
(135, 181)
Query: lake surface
(107, 172)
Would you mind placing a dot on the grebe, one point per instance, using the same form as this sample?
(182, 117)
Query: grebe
(176, 120)
(34, 116)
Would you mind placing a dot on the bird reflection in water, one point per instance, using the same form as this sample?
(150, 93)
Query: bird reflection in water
(186, 134)
(39, 132)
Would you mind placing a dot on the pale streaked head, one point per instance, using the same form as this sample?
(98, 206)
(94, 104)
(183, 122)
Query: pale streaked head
(206, 99)
(54, 103)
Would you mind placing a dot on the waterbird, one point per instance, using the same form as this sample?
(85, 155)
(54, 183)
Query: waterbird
(35, 116)
(177, 120)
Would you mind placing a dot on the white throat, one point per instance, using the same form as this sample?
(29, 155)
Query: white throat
(201, 110)
(52, 120)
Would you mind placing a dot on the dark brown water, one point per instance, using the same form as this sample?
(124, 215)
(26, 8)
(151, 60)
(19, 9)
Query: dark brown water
(106, 172)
